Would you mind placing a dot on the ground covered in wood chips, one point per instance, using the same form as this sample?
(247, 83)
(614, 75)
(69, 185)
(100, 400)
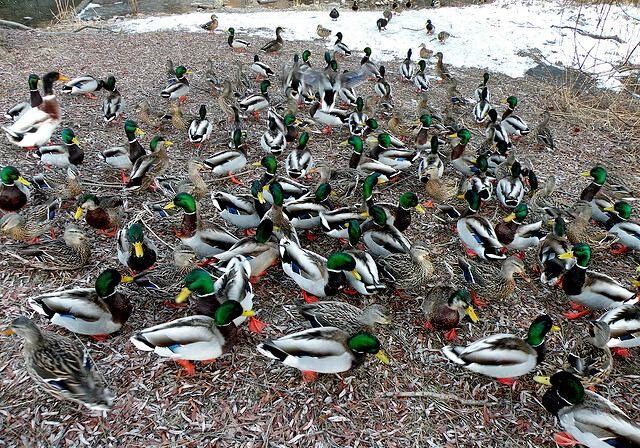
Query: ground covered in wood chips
(243, 399)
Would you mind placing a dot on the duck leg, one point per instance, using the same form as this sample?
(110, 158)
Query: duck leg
(309, 298)
(99, 337)
(618, 249)
(477, 301)
(564, 439)
(187, 366)
(621, 352)
(173, 305)
(233, 179)
(256, 325)
(451, 335)
(309, 376)
(327, 130)
(579, 311)
(506, 381)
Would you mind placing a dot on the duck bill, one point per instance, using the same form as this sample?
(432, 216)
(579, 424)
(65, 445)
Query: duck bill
(138, 250)
(382, 357)
(7, 332)
(566, 255)
(637, 268)
(78, 214)
(261, 198)
(420, 209)
(126, 279)
(542, 380)
(555, 328)
(585, 174)
(258, 163)
(472, 314)
(168, 143)
(356, 275)
(453, 135)
(510, 217)
(63, 78)
(183, 296)
(635, 283)
(609, 209)
(75, 141)
(24, 181)
(169, 206)
(248, 313)
(139, 132)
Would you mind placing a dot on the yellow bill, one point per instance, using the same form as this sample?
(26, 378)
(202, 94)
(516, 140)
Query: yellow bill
(365, 214)
(168, 143)
(382, 357)
(7, 332)
(420, 209)
(356, 274)
(78, 214)
(460, 196)
(472, 314)
(139, 132)
(453, 135)
(62, 77)
(183, 296)
(126, 279)
(256, 163)
(138, 250)
(343, 143)
(637, 268)
(635, 283)
(510, 217)
(169, 205)
(542, 380)
(555, 328)
(75, 141)
(261, 198)
(609, 209)
(585, 174)
(248, 313)
(24, 181)
(566, 255)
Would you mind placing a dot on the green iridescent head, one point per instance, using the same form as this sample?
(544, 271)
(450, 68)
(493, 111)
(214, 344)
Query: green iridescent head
(341, 261)
(512, 101)
(559, 227)
(473, 200)
(303, 140)
(384, 140)
(135, 234)
(482, 163)
(184, 201)
(622, 209)
(464, 135)
(277, 193)
(269, 163)
(422, 65)
(199, 281)
(289, 119)
(368, 185)
(9, 175)
(181, 71)
(306, 54)
(598, 173)
(539, 329)
(367, 51)
(364, 343)
(227, 312)
(33, 82)
(356, 143)
(107, 282)
(264, 85)
(378, 215)
(158, 142)
(354, 231)
(408, 200)
(359, 104)
(426, 120)
(69, 137)
(110, 83)
(322, 192)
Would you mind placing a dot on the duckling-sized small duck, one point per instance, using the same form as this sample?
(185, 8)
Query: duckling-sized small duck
(589, 419)
(135, 250)
(504, 356)
(340, 47)
(31, 223)
(445, 307)
(514, 234)
(83, 85)
(97, 311)
(212, 23)
(61, 366)
(410, 271)
(14, 193)
(300, 160)
(35, 99)
(591, 359)
(323, 350)
(368, 165)
(257, 102)
(408, 68)
(200, 128)
(112, 105)
(104, 214)
(344, 316)
(551, 247)
(544, 136)
(624, 325)
(62, 156)
(180, 88)
(627, 232)
(242, 211)
(275, 45)
(229, 161)
(588, 288)
(420, 79)
(206, 242)
(485, 280)
(381, 238)
(124, 158)
(510, 189)
(513, 124)
(148, 167)
(477, 233)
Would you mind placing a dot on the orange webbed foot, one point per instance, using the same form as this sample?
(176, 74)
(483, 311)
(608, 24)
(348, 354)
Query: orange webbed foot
(309, 376)
(173, 305)
(309, 298)
(350, 292)
(618, 249)
(451, 335)
(621, 352)
(255, 325)
(233, 179)
(91, 96)
(427, 325)
(187, 366)
(249, 232)
(477, 301)
(99, 337)
(506, 381)
(327, 130)
(564, 439)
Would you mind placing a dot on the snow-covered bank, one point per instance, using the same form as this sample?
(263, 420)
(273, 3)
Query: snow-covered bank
(496, 36)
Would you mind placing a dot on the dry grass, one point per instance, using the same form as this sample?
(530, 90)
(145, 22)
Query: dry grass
(244, 400)
(65, 11)
(133, 7)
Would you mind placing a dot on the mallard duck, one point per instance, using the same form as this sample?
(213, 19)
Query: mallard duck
(495, 132)
(422, 140)
(35, 99)
(487, 281)
(393, 155)
(381, 23)
(398, 215)
(420, 79)
(368, 165)
(588, 288)
(61, 366)
(591, 192)
(260, 68)
(357, 119)
(192, 338)
(344, 316)
(200, 128)
(97, 311)
(445, 307)
(382, 87)
(624, 324)
(544, 136)
(513, 124)
(31, 223)
(340, 47)
(504, 356)
(168, 276)
(335, 223)
(124, 158)
(330, 118)
(323, 32)
(588, 418)
(334, 14)
(627, 232)
(275, 45)
(180, 88)
(150, 166)
(300, 160)
(112, 105)
(212, 23)
(408, 68)
(551, 247)
(292, 190)
(194, 184)
(591, 359)
(580, 228)
(510, 189)
(104, 214)
(273, 140)
(61, 156)
(481, 109)
(441, 69)
(439, 189)
(69, 254)
(242, 211)
(135, 250)
(460, 159)
(35, 127)
(258, 101)
(480, 182)
(408, 271)
(380, 237)
(229, 161)
(368, 64)
(14, 193)
(304, 213)
(477, 93)
(83, 85)
(323, 350)
(477, 233)
(514, 234)
(206, 242)
(282, 226)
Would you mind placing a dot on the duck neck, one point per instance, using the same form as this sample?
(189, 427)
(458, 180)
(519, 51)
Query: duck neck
(190, 224)
(354, 161)
(590, 191)
(35, 99)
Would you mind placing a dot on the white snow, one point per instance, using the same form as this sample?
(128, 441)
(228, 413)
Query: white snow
(488, 36)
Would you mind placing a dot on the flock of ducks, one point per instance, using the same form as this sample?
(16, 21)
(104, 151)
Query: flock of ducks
(214, 269)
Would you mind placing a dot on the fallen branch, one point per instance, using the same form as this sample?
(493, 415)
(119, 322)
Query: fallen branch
(93, 27)
(591, 35)
(438, 396)
(14, 25)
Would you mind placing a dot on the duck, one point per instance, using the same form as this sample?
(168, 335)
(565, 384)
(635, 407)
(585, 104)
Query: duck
(212, 23)
(420, 79)
(260, 68)
(304, 213)
(191, 338)
(180, 88)
(292, 190)
(200, 128)
(62, 156)
(480, 182)
(441, 69)
(543, 133)
(477, 233)
(112, 105)
(367, 64)
(627, 232)
(549, 250)
(168, 276)
(495, 132)
(282, 225)
(407, 68)
(96, 311)
(381, 23)
(382, 88)
(591, 193)
(323, 32)
(273, 140)
(589, 418)
(148, 167)
(410, 271)
(358, 118)
(205, 241)
(35, 99)
(422, 140)
(35, 127)
(398, 158)
(342, 315)
(478, 92)
(102, 213)
(335, 223)
(124, 158)
(510, 189)
(590, 289)
(482, 107)
(431, 164)
(31, 223)
(257, 102)
(83, 85)
(513, 124)
(504, 356)
(591, 359)
(439, 188)
(398, 215)
(275, 45)
(242, 211)
(381, 238)
(194, 184)
(334, 14)
(445, 307)
(61, 366)
(300, 160)
(135, 250)
(365, 278)
(14, 193)
(330, 118)
(624, 324)
(486, 280)
(462, 162)
(229, 161)
(368, 165)
(514, 234)
(340, 47)
(323, 350)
